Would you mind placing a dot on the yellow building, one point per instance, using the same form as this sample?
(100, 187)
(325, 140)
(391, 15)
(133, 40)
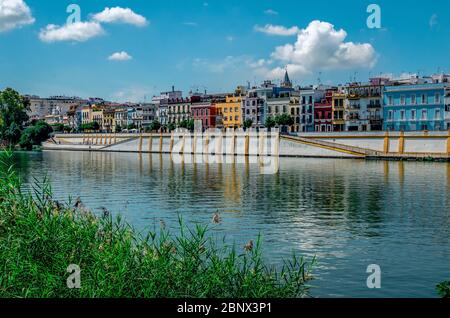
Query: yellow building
(229, 112)
(338, 100)
(86, 114)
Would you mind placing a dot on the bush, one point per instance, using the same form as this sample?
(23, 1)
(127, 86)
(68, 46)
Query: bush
(35, 135)
(443, 289)
(40, 237)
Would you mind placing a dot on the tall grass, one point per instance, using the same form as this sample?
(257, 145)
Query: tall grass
(40, 237)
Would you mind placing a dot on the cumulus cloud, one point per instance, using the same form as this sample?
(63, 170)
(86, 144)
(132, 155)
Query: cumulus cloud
(277, 30)
(78, 32)
(120, 56)
(321, 47)
(270, 12)
(120, 15)
(14, 14)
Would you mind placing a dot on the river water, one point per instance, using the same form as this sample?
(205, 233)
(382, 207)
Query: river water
(348, 213)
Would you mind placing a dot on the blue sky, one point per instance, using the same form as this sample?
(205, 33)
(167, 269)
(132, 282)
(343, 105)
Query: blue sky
(213, 45)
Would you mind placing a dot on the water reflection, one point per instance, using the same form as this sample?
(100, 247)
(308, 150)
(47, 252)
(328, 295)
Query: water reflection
(350, 213)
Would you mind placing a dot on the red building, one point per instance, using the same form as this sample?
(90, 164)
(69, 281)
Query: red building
(204, 109)
(323, 112)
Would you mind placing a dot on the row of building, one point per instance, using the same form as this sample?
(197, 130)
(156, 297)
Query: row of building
(408, 104)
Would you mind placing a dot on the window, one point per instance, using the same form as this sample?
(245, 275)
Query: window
(390, 115)
(402, 100)
(390, 100)
(413, 114)
(413, 99)
(402, 115)
(424, 114)
(424, 99)
(437, 98)
(437, 114)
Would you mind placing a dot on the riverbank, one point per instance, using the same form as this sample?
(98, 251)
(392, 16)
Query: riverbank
(421, 146)
(41, 239)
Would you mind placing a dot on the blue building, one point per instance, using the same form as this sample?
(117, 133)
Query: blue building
(414, 107)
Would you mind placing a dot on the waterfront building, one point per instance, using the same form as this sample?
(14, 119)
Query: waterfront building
(414, 107)
(308, 97)
(337, 102)
(203, 111)
(53, 108)
(86, 114)
(229, 112)
(161, 102)
(74, 117)
(179, 109)
(323, 112)
(97, 115)
(363, 105)
(294, 111)
(279, 104)
(149, 111)
(120, 118)
(108, 124)
(447, 108)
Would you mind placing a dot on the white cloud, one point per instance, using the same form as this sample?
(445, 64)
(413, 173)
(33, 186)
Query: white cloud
(321, 46)
(271, 12)
(229, 38)
(120, 15)
(14, 14)
(277, 30)
(78, 32)
(192, 24)
(228, 63)
(120, 56)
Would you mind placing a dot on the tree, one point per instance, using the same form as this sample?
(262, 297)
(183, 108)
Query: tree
(270, 122)
(131, 126)
(90, 126)
(118, 129)
(248, 123)
(35, 135)
(284, 120)
(13, 115)
(171, 126)
(154, 125)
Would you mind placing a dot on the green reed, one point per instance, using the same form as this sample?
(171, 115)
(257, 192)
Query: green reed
(40, 237)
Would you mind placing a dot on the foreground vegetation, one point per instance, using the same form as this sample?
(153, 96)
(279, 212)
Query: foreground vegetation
(41, 237)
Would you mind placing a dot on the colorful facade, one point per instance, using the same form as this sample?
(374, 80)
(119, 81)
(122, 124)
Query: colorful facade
(229, 112)
(414, 107)
(323, 113)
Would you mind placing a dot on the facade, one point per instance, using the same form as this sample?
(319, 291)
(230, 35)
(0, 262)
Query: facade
(447, 108)
(307, 99)
(54, 108)
(337, 102)
(414, 107)
(120, 118)
(294, 111)
(149, 111)
(179, 109)
(203, 111)
(108, 124)
(363, 111)
(97, 116)
(229, 112)
(323, 113)
(86, 114)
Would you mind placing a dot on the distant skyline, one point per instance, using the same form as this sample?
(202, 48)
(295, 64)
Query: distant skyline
(129, 50)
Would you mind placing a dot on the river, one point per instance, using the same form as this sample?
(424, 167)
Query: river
(348, 213)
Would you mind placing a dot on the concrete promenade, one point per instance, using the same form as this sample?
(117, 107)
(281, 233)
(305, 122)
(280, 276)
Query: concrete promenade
(366, 145)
